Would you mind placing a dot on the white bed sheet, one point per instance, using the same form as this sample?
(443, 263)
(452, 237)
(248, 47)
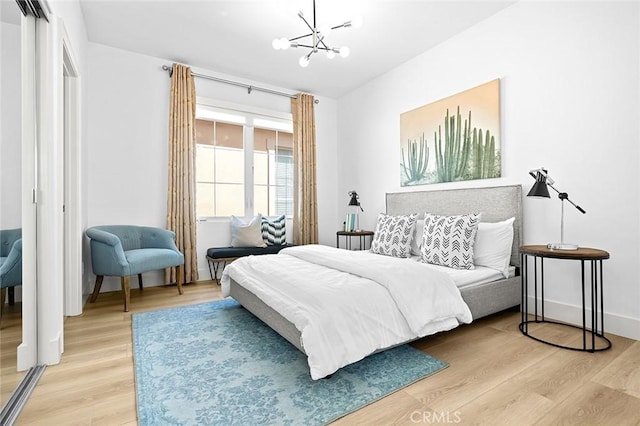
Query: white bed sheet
(469, 277)
(345, 316)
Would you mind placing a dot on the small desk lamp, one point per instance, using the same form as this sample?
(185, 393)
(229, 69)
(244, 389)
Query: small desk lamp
(540, 189)
(353, 202)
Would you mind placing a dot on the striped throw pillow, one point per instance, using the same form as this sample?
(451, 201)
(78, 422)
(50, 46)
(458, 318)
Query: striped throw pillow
(274, 231)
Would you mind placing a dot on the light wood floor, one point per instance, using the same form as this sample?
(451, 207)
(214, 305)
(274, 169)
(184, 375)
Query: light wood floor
(496, 376)
(10, 338)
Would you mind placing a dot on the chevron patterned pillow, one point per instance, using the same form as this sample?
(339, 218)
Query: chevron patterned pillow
(448, 240)
(274, 231)
(393, 235)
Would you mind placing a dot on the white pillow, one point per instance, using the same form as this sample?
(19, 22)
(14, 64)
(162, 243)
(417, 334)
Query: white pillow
(493, 245)
(245, 234)
(449, 240)
(416, 242)
(393, 235)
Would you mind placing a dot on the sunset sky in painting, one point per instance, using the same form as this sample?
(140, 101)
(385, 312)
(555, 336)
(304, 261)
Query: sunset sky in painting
(483, 101)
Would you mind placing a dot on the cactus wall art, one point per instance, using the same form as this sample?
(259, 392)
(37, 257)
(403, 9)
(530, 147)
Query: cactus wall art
(453, 139)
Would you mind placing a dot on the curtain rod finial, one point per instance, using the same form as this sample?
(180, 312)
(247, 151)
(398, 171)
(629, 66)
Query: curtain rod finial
(167, 68)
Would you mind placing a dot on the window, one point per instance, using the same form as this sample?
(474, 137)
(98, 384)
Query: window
(273, 172)
(219, 169)
(244, 162)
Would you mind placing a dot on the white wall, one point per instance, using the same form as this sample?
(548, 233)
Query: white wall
(10, 132)
(570, 102)
(127, 156)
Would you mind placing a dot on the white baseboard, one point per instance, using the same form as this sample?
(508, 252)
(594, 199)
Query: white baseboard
(205, 275)
(613, 323)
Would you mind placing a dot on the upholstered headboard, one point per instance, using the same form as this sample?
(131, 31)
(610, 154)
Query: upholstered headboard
(495, 203)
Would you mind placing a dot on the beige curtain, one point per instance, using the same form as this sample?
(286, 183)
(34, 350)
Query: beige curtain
(305, 203)
(181, 214)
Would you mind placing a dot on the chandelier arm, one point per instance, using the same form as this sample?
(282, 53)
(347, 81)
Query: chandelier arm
(299, 37)
(323, 47)
(306, 22)
(321, 41)
(318, 47)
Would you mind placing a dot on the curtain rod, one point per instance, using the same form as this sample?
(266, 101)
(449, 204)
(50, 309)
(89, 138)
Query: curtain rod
(249, 87)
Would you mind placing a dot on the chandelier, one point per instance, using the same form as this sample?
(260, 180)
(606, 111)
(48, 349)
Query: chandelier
(317, 39)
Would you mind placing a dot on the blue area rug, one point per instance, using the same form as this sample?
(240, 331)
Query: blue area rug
(217, 364)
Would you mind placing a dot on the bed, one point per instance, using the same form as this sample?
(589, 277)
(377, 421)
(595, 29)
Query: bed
(495, 203)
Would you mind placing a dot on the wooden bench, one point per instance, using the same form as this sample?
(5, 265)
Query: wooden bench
(224, 255)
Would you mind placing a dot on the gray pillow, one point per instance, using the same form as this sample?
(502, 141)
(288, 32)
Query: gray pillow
(247, 234)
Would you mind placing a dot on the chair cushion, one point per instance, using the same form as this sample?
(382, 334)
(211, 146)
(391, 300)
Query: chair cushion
(11, 266)
(228, 252)
(151, 259)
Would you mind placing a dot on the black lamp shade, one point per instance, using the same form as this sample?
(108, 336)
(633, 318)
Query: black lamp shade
(354, 199)
(539, 189)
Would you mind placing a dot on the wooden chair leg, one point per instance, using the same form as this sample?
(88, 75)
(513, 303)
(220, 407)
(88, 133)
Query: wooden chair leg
(140, 281)
(179, 277)
(96, 288)
(3, 296)
(125, 282)
(12, 295)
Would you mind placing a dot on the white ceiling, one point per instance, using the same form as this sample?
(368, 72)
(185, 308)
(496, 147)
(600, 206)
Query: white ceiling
(234, 37)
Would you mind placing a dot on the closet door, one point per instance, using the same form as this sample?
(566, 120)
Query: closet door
(10, 193)
(18, 160)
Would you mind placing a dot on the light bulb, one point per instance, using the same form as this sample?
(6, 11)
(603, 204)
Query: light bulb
(356, 22)
(276, 43)
(344, 51)
(331, 54)
(284, 43)
(304, 61)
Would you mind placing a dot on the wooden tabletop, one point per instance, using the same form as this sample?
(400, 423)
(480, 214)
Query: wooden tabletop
(355, 233)
(583, 253)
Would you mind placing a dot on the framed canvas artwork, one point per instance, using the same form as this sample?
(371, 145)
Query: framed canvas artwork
(453, 139)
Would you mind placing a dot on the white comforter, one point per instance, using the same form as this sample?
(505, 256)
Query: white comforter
(348, 304)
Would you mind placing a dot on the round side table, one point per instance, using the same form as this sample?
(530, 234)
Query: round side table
(362, 237)
(593, 257)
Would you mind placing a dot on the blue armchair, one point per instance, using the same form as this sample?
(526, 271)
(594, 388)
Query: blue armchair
(10, 263)
(124, 250)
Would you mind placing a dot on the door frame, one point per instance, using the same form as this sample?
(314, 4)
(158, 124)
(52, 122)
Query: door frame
(57, 296)
(70, 122)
